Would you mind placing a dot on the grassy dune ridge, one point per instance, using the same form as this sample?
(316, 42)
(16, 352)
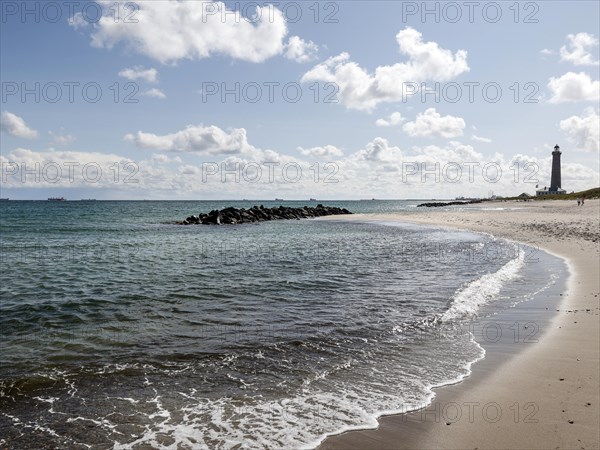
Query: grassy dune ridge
(590, 193)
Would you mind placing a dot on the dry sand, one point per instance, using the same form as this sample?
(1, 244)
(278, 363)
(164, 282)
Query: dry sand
(554, 384)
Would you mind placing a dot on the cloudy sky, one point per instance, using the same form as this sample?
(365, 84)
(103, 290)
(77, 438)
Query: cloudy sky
(333, 100)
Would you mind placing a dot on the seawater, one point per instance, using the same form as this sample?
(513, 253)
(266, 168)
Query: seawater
(122, 330)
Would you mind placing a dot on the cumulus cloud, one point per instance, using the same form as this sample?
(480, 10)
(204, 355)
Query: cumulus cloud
(62, 168)
(62, 139)
(574, 87)
(139, 73)
(188, 169)
(325, 150)
(481, 139)
(394, 119)
(361, 90)
(576, 177)
(162, 158)
(584, 130)
(379, 149)
(301, 51)
(168, 31)
(198, 139)
(78, 22)
(15, 126)
(379, 169)
(578, 49)
(454, 151)
(431, 123)
(154, 92)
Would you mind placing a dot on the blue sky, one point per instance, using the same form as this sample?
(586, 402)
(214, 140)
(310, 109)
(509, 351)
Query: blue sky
(373, 139)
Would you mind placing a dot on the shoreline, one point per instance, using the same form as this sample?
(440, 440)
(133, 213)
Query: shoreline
(552, 386)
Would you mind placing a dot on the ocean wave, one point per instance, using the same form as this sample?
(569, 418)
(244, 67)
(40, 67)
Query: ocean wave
(481, 291)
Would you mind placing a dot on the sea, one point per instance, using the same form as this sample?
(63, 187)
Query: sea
(121, 329)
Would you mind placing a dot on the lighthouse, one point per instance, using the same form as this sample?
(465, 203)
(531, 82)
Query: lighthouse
(555, 178)
(555, 182)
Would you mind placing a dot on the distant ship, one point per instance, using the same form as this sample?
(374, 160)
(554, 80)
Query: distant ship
(313, 200)
(279, 200)
(57, 199)
(4, 199)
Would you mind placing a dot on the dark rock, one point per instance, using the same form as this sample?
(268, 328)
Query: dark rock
(231, 216)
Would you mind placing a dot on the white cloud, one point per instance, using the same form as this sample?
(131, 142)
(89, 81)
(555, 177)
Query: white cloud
(453, 152)
(574, 87)
(62, 139)
(16, 126)
(301, 51)
(200, 139)
(62, 168)
(139, 73)
(188, 169)
(380, 150)
(481, 139)
(162, 158)
(325, 150)
(578, 49)
(583, 131)
(78, 21)
(547, 51)
(360, 90)
(394, 119)
(431, 123)
(576, 177)
(169, 31)
(156, 93)
(377, 170)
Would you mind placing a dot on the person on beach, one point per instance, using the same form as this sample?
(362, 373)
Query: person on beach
(578, 201)
(582, 200)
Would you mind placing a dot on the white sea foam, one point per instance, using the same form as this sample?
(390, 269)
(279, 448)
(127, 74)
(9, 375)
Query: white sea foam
(467, 300)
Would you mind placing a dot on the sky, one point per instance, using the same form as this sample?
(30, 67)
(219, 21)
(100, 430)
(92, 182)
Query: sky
(296, 100)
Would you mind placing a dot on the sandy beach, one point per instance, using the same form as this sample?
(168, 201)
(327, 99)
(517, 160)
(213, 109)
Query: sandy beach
(551, 388)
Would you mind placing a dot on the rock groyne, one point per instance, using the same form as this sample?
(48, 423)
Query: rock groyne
(232, 216)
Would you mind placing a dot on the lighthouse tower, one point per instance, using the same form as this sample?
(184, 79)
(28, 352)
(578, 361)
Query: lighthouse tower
(555, 178)
(555, 181)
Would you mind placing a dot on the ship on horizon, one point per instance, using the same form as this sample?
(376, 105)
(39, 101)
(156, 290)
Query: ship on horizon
(57, 199)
